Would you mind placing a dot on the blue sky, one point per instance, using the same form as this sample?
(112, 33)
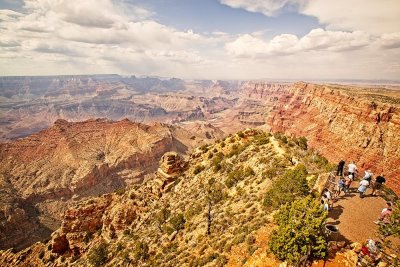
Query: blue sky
(202, 39)
(211, 15)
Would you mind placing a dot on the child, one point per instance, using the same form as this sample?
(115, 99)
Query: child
(347, 183)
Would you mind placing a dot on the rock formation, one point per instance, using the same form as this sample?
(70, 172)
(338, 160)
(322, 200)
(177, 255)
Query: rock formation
(347, 123)
(45, 172)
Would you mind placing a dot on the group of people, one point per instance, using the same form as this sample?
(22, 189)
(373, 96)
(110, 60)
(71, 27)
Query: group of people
(344, 182)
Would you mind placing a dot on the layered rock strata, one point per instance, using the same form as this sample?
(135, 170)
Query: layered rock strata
(343, 122)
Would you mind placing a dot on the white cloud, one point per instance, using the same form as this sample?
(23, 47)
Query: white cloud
(391, 40)
(64, 37)
(317, 39)
(93, 32)
(372, 16)
(267, 7)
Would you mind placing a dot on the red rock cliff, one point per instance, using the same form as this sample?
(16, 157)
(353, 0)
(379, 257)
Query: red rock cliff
(344, 123)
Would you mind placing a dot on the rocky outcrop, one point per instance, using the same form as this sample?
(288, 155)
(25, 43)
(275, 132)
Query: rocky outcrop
(344, 123)
(46, 172)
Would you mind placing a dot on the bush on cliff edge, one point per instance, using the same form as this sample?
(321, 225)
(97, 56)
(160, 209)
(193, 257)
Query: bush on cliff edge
(300, 231)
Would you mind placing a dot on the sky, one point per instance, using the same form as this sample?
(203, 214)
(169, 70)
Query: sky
(202, 39)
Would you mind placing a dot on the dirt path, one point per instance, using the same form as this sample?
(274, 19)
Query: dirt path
(355, 216)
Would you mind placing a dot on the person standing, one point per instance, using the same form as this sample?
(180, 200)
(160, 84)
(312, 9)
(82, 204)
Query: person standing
(368, 175)
(379, 181)
(340, 168)
(363, 187)
(352, 169)
(341, 186)
(347, 183)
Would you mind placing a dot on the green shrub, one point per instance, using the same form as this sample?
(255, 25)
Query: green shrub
(141, 251)
(261, 139)
(98, 256)
(292, 185)
(238, 175)
(177, 222)
(192, 211)
(240, 134)
(270, 173)
(120, 191)
(204, 148)
(236, 150)
(88, 237)
(300, 231)
(301, 142)
(162, 216)
(126, 232)
(198, 169)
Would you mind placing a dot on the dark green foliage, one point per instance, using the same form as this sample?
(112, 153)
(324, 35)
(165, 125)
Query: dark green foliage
(236, 150)
(204, 148)
(240, 134)
(127, 232)
(238, 175)
(141, 251)
(119, 247)
(98, 255)
(215, 191)
(177, 222)
(120, 191)
(88, 237)
(199, 168)
(192, 211)
(270, 173)
(300, 231)
(216, 163)
(210, 155)
(321, 162)
(292, 185)
(281, 137)
(261, 139)
(301, 142)
(163, 215)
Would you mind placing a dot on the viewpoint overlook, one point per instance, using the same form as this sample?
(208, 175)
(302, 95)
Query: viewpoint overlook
(128, 171)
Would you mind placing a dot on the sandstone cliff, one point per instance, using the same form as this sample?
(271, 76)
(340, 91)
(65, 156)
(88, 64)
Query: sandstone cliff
(69, 161)
(344, 122)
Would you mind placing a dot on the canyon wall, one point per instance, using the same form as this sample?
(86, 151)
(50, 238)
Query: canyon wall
(44, 173)
(344, 122)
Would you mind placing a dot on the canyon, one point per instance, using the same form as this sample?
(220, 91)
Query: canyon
(44, 173)
(66, 139)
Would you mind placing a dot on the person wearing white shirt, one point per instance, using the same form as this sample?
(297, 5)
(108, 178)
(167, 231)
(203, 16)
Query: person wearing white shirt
(363, 187)
(352, 169)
